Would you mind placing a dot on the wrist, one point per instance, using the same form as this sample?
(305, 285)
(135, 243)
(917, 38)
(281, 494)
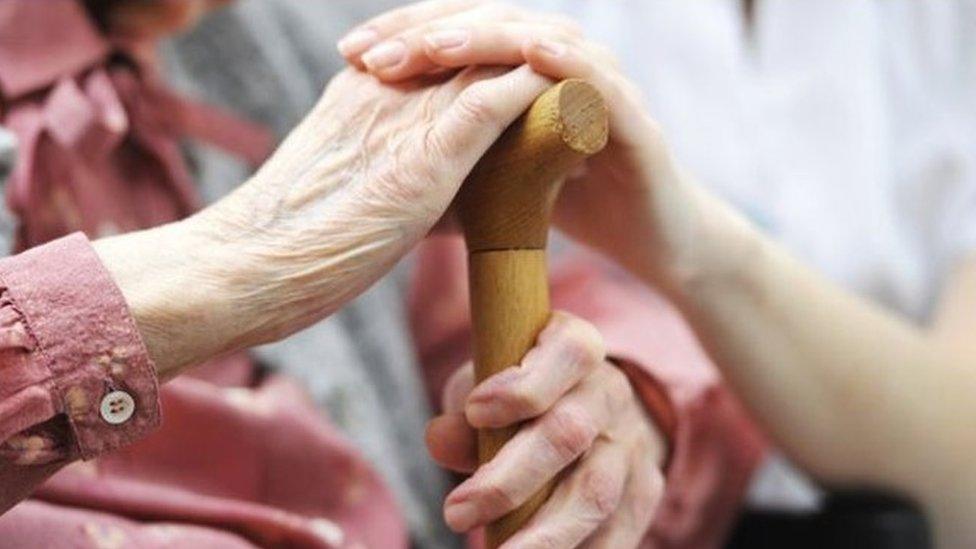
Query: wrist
(708, 244)
(183, 309)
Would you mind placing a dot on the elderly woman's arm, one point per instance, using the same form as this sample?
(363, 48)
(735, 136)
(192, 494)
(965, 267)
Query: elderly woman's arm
(85, 330)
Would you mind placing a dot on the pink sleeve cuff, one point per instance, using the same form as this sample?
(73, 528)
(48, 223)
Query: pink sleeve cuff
(656, 401)
(80, 354)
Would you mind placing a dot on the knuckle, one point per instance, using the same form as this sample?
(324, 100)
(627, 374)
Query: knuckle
(569, 432)
(404, 187)
(600, 492)
(580, 342)
(418, 174)
(436, 144)
(395, 184)
(527, 401)
(476, 75)
(498, 496)
(576, 348)
(473, 106)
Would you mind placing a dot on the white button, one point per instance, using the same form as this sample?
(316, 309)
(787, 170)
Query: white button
(118, 407)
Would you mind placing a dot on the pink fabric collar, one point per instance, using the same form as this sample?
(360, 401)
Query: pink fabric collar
(42, 41)
(74, 97)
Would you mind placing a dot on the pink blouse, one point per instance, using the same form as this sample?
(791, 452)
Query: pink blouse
(240, 460)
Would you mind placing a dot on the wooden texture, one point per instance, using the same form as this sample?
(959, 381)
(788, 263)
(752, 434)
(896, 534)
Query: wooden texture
(505, 208)
(509, 306)
(507, 200)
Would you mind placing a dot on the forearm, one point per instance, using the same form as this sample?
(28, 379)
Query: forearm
(184, 314)
(201, 287)
(850, 391)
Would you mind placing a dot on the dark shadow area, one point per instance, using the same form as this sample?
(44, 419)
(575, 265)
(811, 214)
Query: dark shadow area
(849, 520)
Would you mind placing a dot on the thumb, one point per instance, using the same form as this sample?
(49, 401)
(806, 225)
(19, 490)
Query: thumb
(476, 118)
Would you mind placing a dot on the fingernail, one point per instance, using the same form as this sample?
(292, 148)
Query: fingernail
(357, 41)
(385, 55)
(461, 516)
(553, 49)
(446, 39)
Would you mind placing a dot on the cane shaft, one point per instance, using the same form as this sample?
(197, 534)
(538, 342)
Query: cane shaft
(509, 306)
(504, 208)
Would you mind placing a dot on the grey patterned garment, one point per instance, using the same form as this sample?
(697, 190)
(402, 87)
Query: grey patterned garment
(270, 60)
(8, 156)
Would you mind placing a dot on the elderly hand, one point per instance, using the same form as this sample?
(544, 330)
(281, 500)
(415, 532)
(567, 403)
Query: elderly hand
(353, 188)
(585, 428)
(633, 177)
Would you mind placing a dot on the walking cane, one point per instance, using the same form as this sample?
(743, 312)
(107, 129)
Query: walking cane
(504, 208)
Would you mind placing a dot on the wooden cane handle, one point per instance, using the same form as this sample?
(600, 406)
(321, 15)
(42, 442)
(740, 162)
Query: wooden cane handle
(504, 208)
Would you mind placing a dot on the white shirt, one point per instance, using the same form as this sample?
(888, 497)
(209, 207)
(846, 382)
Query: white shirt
(845, 128)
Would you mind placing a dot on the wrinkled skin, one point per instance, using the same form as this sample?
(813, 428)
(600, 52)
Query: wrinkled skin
(357, 184)
(360, 182)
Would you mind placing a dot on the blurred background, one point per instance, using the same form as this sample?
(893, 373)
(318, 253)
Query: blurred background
(804, 114)
(845, 129)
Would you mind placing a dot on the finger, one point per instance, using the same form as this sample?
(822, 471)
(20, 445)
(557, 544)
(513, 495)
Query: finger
(452, 443)
(628, 524)
(473, 121)
(536, 454)
(580, 505)
(566, 59)
(373, 31)
(596, 65)
(457, 388)
(461, 40)
(500, 44)
(399, 51)
(568, 349)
